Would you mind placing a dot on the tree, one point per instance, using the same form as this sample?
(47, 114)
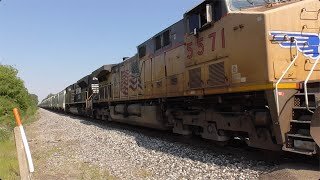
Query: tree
(34, 98)
(12, 87)
(50, 95)
(13, 94)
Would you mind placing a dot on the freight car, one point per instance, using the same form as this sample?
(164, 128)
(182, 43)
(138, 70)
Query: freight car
(245, 69)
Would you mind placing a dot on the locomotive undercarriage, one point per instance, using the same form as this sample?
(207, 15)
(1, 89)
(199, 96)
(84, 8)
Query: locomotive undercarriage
(244, 116)
(251, 117)
(226, 117)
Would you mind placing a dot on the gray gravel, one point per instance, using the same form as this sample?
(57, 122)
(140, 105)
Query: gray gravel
(71, 148)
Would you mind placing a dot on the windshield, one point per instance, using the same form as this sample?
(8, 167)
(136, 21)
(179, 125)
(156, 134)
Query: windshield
(243, 4)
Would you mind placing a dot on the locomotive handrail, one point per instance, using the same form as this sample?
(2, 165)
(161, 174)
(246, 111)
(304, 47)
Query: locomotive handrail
(306, 82)
(104, 92)
(283, 74)
(308, 11)
(89, 99)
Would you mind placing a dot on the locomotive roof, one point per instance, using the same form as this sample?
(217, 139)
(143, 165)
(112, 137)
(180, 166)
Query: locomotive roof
(84, 81)
(105, 69)
(203, 3)
(163, 30)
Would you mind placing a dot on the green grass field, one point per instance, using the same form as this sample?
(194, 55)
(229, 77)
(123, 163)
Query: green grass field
(9, 168)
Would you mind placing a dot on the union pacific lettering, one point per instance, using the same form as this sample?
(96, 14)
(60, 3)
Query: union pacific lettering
(198, 46)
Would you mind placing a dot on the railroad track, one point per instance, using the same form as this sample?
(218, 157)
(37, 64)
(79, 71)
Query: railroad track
(66, 146)
(234, 147)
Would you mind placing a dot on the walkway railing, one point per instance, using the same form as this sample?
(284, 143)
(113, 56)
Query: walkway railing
(283, 75)
(306, 82)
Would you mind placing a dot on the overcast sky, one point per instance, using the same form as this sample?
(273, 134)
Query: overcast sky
(53, 43)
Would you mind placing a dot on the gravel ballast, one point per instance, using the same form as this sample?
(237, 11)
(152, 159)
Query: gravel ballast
(68, 147)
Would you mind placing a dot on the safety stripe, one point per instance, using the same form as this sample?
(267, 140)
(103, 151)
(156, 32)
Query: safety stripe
(255, 87)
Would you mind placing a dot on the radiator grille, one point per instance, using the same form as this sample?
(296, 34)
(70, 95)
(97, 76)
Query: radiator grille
(217, 74)
(195, 78)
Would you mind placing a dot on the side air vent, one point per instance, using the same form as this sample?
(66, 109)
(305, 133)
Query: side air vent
(72, 96)
(102, 93)
(217, 75)
(195, 78)
(174, 80)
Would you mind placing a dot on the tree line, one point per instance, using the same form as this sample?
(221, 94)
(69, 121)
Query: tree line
(13, 94)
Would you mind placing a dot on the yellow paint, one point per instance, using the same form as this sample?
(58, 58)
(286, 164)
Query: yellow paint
(255, 87)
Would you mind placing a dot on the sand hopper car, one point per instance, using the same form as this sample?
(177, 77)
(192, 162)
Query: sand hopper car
(245, 69)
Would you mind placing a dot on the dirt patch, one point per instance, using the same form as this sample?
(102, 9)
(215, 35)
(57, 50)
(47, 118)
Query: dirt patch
(294, 172)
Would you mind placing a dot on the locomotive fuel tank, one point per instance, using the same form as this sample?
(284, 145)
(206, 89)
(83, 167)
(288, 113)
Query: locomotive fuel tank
(143, 115)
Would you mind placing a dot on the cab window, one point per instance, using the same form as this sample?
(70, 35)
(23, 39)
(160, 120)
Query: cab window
(244, 4)
(142, 50)
(158, 42)
(205, 13)
(193, 22)
(166, 38)
(162, 40)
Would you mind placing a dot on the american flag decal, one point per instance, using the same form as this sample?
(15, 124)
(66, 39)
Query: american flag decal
(131, 79)
(135, 82)
(124, 82)
(308, 43)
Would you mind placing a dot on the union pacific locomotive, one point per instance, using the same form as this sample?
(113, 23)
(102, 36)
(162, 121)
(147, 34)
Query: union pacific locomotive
(244, 69)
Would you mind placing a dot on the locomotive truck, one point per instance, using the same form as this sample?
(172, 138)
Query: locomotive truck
(245, 69)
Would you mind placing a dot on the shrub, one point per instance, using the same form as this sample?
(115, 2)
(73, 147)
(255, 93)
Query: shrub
(13, 94)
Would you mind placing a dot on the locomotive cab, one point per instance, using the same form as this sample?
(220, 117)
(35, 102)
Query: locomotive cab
(204, 15)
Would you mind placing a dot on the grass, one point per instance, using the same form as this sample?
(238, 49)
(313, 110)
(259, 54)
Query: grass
(9, 168)
(42, 157)
(143, 173)
(93, 172)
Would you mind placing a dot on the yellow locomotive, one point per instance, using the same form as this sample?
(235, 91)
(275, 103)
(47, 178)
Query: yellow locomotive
(245, 69)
